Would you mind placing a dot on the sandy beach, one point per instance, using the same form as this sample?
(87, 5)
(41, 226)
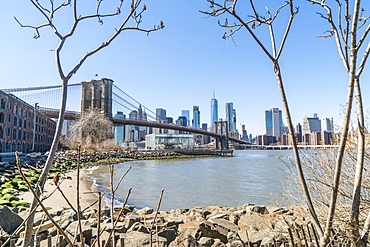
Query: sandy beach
(69, 188)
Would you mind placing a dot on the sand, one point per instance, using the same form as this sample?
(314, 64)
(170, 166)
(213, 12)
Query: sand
(69, 188)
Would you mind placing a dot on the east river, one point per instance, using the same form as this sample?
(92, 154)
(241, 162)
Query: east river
(251, 176)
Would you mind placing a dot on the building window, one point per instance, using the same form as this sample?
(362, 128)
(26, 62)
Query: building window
(2, 104)
(2, 117)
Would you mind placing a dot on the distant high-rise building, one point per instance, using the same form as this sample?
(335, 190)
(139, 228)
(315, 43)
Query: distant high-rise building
(204, 126)
(140, 113)
(230, 117)
(244, 134)
(311, 124)
(298, 131)
(160, 114)
(234, 119)
(274, 122)
(144, 116)
(196, 117)
(327, 125)
(169, 120)
(119, 130)
(214, 111)
(133, 115)
(182, 121)
(186, 113)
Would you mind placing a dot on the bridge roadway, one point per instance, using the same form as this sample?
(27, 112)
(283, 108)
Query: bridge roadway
(53, 113)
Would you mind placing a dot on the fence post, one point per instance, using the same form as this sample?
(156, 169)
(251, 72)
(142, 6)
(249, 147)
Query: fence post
(49, 241)
(122, 240)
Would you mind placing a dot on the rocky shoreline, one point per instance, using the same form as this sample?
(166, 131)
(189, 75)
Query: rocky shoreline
(213, 226)
(11, 183)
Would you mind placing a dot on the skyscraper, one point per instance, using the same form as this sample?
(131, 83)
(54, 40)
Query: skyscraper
(311, 124)
(160, 114)
(274, 122)
(186, 113)
(214, 111)
(327, 124)
(230, 117)
(182, 121)
(119, 130)
(196, 117)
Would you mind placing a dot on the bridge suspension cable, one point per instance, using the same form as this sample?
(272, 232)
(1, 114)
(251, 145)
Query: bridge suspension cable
(12, 90)
(49, 96)
(147, 109)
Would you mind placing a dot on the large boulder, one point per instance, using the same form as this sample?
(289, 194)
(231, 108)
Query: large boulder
(135, 239)
(207, 229)
(184, 240)
(9, 220)
(254, 221)
(169, 233)
(130, 219)
(225, 224)
(87, 230)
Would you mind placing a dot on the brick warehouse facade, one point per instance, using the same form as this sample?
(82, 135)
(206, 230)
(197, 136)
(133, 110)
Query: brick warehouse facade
(17, 126)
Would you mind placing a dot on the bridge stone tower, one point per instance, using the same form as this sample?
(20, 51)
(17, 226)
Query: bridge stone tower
(97, 94)
(220, 127)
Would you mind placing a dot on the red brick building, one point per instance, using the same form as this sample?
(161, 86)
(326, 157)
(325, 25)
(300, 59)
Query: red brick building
(17, 126)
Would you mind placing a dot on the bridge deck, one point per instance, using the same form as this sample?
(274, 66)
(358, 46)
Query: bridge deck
(52, 113)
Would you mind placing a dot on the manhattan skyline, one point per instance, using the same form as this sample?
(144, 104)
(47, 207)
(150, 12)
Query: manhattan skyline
(179, 66)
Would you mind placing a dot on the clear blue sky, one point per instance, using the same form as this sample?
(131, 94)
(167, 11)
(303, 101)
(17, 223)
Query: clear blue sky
(180, 66)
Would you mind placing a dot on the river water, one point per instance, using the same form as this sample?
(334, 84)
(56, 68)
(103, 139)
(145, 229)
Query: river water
(251, 176)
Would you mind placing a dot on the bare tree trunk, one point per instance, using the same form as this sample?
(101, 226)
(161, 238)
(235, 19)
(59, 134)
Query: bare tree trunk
(43, 177)
(347, 119)
(355, 211)
(295, 150)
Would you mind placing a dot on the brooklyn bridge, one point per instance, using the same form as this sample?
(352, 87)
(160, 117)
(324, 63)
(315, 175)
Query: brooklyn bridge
(105, 96)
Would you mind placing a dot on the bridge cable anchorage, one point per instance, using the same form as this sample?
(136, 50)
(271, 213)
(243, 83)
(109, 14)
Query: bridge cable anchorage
(146, 108)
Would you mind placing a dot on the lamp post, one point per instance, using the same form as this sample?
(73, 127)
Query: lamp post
(34, 127)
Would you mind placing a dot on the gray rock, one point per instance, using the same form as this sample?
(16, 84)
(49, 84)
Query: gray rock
(130, 219)
(138, 227)
(190, 228)
(87, 231)
(255, 222)
(135, 239)
(227, 225)
(206, 242)
(207, 229)
(234, 240)
(9, 220)
(105, 212)
(169, 233)
(145, 211)
(174, 220)
(56, 211)
(254, 237)
(256, 209)
(268, 240)
(184, 240)
(218, 243)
